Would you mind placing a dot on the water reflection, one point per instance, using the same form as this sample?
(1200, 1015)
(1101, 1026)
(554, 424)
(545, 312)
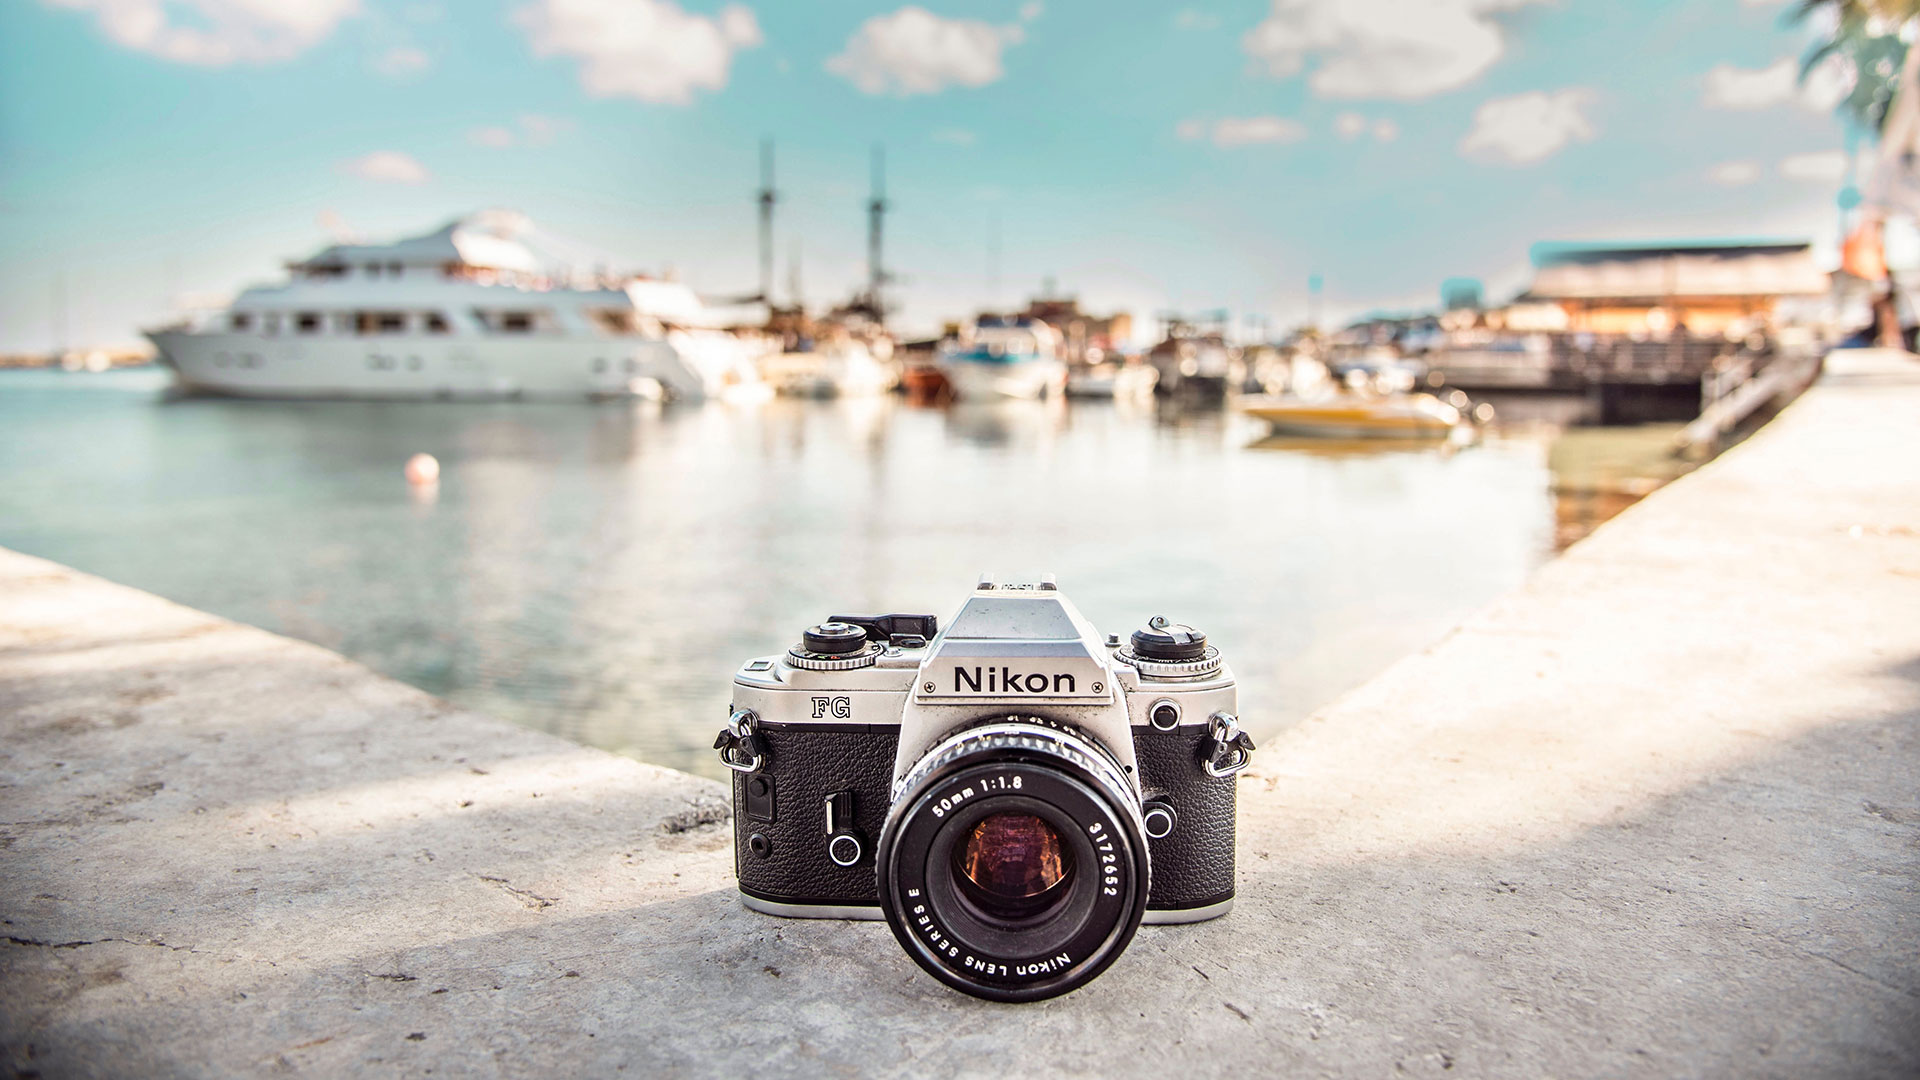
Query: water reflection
(1004, 424)
(597, 571)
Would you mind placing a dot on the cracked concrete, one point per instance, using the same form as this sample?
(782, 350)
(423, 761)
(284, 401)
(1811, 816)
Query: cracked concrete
(1653, 814)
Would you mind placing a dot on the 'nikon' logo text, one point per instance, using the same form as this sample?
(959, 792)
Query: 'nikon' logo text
(1005, 680)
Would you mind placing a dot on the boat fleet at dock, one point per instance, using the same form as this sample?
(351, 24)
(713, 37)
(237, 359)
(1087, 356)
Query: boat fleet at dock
(480, 309)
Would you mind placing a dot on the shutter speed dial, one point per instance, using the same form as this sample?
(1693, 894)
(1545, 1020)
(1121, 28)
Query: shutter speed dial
(833, 646)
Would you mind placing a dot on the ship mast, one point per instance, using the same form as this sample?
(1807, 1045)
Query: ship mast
(767, 199)
(876, 214)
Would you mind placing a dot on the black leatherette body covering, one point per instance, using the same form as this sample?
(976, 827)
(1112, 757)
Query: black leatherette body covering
(1193, 865)
(807, 763)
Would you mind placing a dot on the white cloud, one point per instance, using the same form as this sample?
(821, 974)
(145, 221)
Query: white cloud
(1031, 11)
(1189, 19)
(540, 130)
(1528, 127)
(1824, 167)
(1352, 125)
(402, 62)
(530, 129)
(1729, 87)
(1734, 173)
(914, 51)
(387, 167)
(646, 49)
(213, 33)
(493, 137)
(1233, 131)
(1380, 48)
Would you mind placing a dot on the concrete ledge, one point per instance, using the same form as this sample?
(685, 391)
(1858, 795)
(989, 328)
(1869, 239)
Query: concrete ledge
(1655, 813)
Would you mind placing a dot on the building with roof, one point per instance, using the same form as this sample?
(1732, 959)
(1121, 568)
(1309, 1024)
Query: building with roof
(1705, 288)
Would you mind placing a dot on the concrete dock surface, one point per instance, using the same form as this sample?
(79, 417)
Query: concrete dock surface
(1657, 813)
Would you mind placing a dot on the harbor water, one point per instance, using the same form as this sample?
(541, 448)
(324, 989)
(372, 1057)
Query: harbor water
(599, 570)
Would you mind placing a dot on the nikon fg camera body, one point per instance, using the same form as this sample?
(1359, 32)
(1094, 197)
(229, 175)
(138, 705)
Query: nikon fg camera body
(1013, 793)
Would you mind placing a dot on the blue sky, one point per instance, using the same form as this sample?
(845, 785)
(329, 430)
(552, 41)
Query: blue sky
(1142, 155)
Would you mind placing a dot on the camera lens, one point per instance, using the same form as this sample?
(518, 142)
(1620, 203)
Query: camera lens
(1013, 864)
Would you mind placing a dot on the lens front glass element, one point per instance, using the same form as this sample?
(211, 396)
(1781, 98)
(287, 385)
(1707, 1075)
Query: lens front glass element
(1013, 866)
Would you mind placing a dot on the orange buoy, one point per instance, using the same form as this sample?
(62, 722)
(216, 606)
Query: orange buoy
(422, 469)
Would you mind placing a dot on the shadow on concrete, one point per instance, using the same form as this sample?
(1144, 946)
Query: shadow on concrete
(1758, 922)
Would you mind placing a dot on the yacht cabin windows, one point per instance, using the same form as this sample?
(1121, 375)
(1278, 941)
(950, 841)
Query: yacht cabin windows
(307, 322)
(615, 320)
(515, 320)
(242, 320)
(380, 322)
(437, 323)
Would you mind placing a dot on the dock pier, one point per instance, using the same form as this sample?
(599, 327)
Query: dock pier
(1654, 813)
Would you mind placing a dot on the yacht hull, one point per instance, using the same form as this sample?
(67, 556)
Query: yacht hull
(977, 381)
(416, 367)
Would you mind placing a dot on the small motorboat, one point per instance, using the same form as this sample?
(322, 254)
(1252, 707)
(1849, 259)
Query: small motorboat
(1008, 358)
(1118, 382)
(838, 369)
(1351, 416)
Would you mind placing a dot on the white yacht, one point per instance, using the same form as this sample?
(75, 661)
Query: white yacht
(475, 309)
(1007, 358)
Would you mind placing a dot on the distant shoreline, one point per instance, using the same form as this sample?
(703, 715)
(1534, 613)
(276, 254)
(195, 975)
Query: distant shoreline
(79, 359)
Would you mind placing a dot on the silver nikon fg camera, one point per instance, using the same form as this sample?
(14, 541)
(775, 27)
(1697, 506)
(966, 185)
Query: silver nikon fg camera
(1014, 793)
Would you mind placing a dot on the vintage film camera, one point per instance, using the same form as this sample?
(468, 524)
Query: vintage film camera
(1014, 794)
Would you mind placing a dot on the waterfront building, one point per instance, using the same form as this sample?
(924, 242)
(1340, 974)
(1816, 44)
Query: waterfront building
(1704, 288)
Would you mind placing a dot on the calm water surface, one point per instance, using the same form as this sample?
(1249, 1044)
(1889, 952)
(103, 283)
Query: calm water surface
(597, 571)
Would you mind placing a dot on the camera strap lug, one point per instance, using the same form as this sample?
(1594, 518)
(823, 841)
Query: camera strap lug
(741, 745)
(1229, 750)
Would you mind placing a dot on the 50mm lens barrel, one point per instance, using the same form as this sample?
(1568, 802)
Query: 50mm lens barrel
(1013, 865)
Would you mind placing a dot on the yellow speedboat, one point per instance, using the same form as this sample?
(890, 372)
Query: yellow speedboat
(1396, 416)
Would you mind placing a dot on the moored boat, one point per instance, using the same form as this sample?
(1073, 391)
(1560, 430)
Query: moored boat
(1111, 380)
(837, 369)
(1349, 416)
(1195, 361)
(470, 310)
(1007, 358)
